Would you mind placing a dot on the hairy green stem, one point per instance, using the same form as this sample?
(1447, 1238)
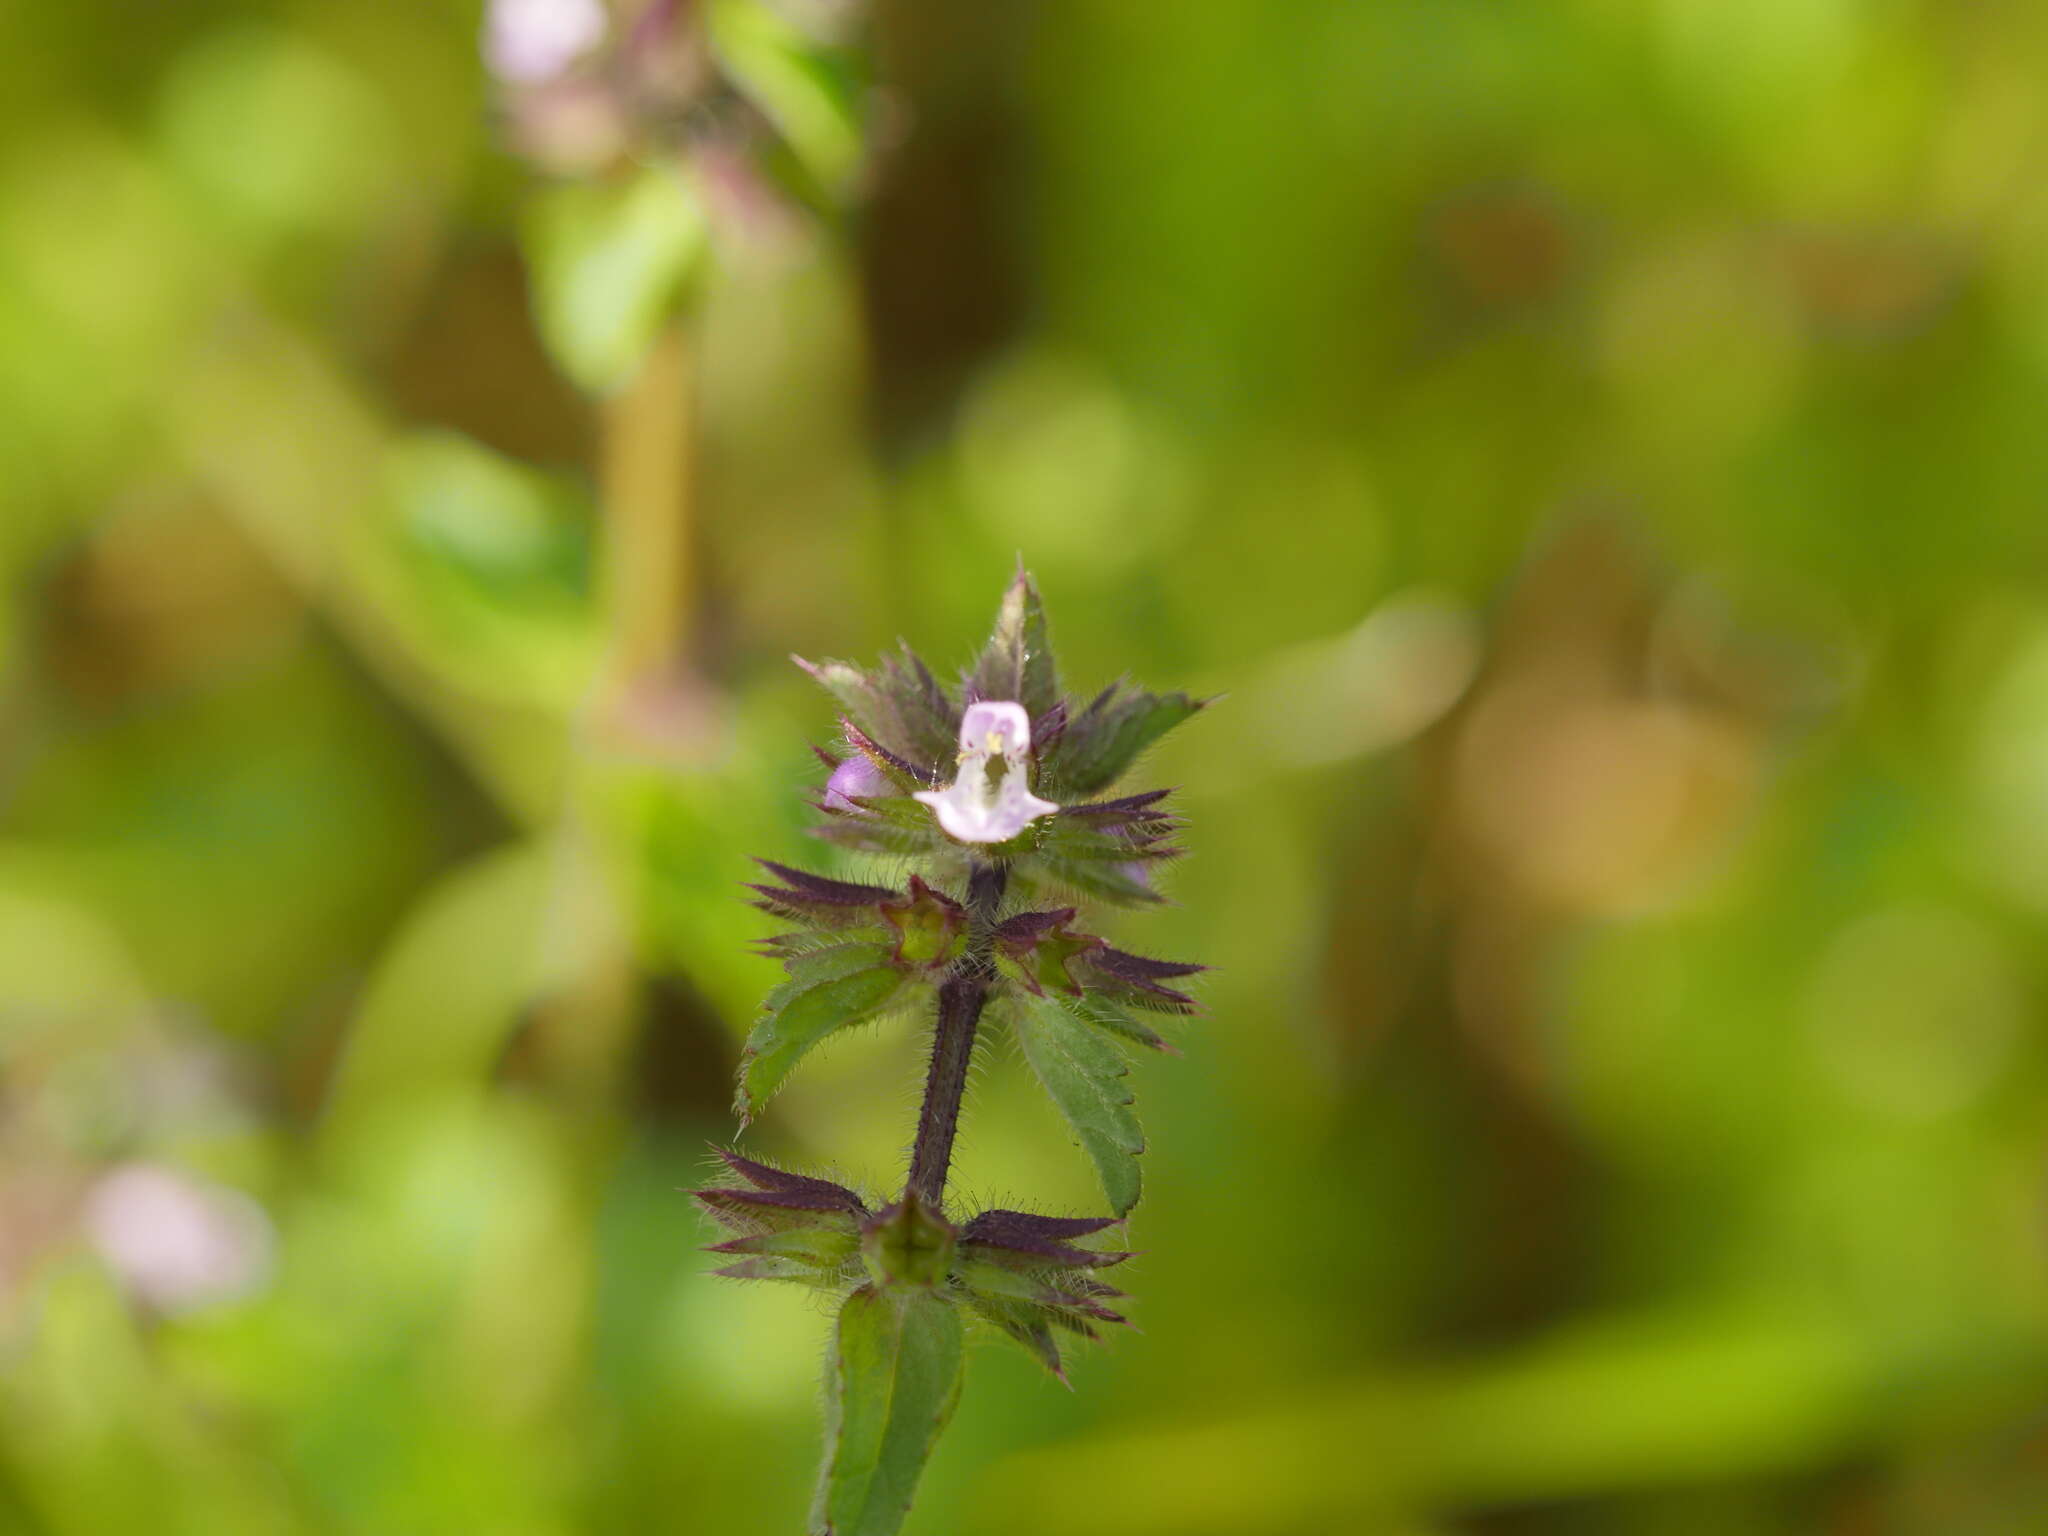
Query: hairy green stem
(961, 997)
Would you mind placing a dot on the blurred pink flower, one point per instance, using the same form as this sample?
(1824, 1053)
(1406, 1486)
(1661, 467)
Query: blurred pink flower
(176, 1242)
(530, 41)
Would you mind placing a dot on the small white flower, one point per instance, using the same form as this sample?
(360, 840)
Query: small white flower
(528, 41)
(990, 802)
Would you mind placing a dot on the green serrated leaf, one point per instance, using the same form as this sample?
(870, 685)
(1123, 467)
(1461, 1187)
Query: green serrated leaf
(1017, 662)
(827, 962)
(799, 1019)
(855, 925)
(1084, 1073)
(1104, 1014)
(891, 1385)
(611, 264)
(1104, 740)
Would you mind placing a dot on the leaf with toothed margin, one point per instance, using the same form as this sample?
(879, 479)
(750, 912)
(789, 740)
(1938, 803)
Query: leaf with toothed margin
(800, 1015)
(828, 962)
(891, 1385)
(1104, 1014)
(1084, 1073)
(1017, 663)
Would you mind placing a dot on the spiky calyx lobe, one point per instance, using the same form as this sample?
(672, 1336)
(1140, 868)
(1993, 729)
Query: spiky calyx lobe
(786, 1226)
(1033, 1278)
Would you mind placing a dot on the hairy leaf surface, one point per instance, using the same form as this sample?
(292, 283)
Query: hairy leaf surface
(1084, 1072)
(891, 1384)
(819, 998)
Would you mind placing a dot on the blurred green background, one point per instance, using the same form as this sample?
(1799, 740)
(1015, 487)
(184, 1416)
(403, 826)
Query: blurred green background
(1600, 448)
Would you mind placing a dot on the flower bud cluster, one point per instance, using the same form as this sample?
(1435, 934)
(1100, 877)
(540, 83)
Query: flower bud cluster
(587, 88)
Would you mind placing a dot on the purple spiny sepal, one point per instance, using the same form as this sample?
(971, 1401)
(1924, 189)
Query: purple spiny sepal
(1135, 979)
(779, 1180)
(1027, 1276)
(1014, 1237)
(802, 895)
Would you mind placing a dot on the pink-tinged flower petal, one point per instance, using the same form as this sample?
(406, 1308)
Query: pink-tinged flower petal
(988, 804)
(529, 41)
(994, 728)
(177, 1243)
(856, 778)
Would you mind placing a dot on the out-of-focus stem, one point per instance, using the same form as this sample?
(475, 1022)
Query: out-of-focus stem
(648, 476)
(960, 1001)
(647, 583)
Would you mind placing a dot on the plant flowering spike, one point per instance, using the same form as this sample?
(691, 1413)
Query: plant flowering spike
(986, 811)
